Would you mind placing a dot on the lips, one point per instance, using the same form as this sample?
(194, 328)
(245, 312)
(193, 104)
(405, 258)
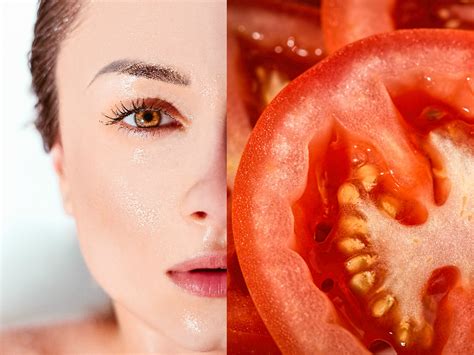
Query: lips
(204, 276)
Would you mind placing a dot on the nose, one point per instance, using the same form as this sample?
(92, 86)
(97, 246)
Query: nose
(205, 203)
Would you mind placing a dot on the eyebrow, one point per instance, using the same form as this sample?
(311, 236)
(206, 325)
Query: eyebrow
(145, 70)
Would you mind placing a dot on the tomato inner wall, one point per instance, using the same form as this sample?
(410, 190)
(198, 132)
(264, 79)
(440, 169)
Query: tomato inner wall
(434, 14)
(317, 211)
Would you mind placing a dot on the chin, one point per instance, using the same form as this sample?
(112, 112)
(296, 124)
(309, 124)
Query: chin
(202, 335)
(196, 324)
(204, 344)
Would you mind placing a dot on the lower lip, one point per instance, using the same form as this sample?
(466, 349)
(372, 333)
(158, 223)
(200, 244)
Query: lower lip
(201, 283)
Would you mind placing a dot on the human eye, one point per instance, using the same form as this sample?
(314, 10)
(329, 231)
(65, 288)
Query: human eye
(145, 116)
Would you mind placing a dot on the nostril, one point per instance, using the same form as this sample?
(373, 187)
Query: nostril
(199, 215)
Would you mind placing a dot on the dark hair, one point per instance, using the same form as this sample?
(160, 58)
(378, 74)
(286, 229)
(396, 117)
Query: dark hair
(55, 19)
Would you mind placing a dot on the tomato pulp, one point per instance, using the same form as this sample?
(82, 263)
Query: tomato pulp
(353, 207)
(270, 42)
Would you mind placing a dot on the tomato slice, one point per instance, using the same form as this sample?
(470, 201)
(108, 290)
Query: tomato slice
(270, 42)
(346, 21)
(353, 207)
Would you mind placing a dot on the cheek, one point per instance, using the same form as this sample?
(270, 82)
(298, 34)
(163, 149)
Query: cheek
(113, 192)
(126, 206)
(131, 230)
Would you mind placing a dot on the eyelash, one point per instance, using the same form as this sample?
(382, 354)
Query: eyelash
(121, 111)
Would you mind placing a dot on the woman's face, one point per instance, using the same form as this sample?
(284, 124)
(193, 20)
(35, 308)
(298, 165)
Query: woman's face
(147, 200)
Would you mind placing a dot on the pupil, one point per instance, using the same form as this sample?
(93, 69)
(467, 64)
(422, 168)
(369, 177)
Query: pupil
(148, 116)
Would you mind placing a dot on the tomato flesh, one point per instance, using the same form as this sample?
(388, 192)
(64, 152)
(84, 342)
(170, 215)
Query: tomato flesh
(347, 21)
(273, 58)
(381, 206)
(434, 14)
(422, 114)
(261, 61)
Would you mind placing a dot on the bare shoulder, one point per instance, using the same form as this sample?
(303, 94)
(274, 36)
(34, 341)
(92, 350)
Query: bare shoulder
(20, 341)
(88, 335)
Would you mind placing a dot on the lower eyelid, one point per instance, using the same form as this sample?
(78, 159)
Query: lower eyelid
(154, 131)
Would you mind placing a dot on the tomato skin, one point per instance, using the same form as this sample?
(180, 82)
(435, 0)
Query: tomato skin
(274, 168)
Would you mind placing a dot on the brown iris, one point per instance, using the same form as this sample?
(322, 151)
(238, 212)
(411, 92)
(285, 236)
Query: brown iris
(146, 119)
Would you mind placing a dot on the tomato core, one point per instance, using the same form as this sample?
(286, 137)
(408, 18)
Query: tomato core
(352, 183)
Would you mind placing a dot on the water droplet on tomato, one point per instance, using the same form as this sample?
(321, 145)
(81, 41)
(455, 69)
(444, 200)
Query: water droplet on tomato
(257, 36)
(470, 84)
(302, 52)
(428, 79)
(290, 42)
(359, 156)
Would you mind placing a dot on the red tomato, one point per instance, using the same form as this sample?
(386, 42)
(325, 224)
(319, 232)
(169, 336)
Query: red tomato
(270, 42)
(353, 207)
(345, 21)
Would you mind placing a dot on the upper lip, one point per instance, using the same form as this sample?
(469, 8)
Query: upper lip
(215, 260)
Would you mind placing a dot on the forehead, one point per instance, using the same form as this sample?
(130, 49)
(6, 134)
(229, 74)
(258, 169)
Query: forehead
(186, 35)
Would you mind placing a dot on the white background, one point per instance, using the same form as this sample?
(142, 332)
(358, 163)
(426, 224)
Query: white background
(42, 273)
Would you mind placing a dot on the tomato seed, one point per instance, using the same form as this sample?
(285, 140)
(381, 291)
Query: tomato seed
(367, 174)
(359, 263)
(363, 281)
(347, 194)
(350, 245)
(382, 306)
